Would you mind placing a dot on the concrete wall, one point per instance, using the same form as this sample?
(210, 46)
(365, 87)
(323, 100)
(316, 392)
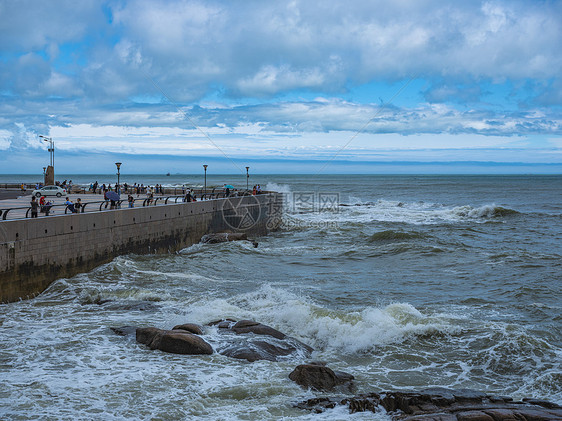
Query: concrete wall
(35, 252)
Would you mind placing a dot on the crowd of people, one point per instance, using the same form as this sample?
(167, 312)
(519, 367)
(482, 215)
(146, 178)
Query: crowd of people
(114, 201)
(137, 189)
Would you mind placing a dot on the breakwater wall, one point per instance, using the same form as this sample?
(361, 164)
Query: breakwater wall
(35, 252)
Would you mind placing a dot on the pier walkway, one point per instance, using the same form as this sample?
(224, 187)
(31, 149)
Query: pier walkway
(15, 204)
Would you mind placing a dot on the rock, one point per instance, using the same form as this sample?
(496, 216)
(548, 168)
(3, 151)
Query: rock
(189, 327)
(319, 377)
(173, 341)
(442, 404)
(223, 323)
(254, 349)
(124, 330)
(145, 335)
(318, 405)
(177, 342)
(223, 237)
(249, 326)
(266, 343)
(246, 323)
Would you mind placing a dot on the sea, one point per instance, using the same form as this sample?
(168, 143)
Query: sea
(404, 281)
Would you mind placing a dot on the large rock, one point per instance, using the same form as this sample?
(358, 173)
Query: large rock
(173, 341)
(439, 404)
(319, 377)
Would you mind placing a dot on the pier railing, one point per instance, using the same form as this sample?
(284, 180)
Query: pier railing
(106, 205)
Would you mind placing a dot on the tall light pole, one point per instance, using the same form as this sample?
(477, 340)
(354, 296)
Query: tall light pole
(247, 177)
(51, 149)
(118, 164)
(205, 168)
(49, 176)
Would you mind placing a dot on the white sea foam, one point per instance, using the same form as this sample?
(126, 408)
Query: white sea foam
(325, 329)
(419, 213)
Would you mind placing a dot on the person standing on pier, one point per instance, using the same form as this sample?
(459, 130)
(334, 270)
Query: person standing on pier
(34, 207)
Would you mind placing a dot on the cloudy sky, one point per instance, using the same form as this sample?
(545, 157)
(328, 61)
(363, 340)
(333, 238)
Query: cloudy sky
(284, 86)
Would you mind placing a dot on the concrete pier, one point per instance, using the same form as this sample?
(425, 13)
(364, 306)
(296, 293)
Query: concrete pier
(35, 252)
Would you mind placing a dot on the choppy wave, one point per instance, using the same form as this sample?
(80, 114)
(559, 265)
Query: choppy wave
(325, 329)
(417, 213)
(390, 235)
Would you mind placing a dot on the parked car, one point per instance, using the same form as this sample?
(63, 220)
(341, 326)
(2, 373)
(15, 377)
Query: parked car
(49, 191)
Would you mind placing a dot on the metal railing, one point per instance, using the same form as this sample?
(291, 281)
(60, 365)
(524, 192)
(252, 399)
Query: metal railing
(103, 205)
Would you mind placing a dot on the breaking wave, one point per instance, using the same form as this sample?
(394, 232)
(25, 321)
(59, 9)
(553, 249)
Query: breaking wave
(325, 329)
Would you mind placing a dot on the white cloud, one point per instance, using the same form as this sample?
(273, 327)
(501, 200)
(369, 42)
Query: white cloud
(78, 71)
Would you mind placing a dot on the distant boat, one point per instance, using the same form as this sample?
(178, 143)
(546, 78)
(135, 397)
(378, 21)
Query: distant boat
(167, 174)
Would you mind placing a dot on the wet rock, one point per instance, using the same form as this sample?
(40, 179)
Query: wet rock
(255, 350)
(124, 330)
(250, 326)
(246, 323)
(223, 323)
(252, 341)
(173, 341)
(145, 335)
(223, 237)
(189, 327)
(319, 377)
(319, 405)
(442, 404)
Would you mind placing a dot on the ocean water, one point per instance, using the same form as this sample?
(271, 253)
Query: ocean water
(406, 282)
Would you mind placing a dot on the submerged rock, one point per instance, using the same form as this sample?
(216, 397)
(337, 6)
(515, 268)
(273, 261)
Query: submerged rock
(319, 377)
(124, 330)
(442, 404)
(252, 341)
(173, 341)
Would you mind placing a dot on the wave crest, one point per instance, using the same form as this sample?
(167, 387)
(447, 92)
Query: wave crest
(325, 329)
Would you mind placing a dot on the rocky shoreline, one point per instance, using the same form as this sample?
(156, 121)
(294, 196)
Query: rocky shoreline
(252, 341)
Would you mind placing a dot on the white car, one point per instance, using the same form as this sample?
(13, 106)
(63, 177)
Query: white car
(49, 191)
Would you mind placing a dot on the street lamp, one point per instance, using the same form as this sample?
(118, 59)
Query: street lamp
(51, 149)
(118, 164)
(247, 178)
(205, 168)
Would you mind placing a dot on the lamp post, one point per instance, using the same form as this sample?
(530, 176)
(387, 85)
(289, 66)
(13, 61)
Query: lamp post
(247, 177)
(49, 173)
(205, 168)
(51, 149)
(118, 189)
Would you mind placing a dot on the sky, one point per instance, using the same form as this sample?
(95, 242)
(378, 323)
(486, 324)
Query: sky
(421, 86)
